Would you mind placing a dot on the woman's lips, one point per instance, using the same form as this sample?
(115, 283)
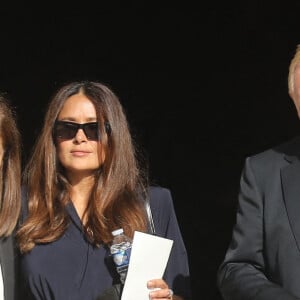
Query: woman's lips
(80, 153)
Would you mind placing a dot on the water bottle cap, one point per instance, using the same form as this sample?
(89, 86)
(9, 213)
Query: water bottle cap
(117, 231)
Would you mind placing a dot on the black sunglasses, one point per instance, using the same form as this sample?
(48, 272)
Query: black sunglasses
(68, 130)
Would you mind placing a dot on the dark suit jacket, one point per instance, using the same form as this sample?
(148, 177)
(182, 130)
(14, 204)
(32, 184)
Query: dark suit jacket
(9, 264)
(263, 258)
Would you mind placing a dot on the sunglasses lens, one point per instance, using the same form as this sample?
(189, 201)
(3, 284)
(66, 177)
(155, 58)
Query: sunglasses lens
(65, 130)
(91, 131)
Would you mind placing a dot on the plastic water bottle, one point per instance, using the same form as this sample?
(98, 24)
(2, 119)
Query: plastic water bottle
(120, 250)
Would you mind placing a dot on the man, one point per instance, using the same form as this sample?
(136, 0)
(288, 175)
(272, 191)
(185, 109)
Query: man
(263, 258)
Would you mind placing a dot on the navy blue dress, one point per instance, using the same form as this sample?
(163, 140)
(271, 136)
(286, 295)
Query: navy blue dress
(71, 268)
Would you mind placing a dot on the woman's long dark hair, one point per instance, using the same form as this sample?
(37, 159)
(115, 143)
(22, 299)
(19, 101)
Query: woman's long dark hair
(10, 170)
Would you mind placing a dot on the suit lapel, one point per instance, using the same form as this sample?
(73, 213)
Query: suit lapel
(291, 190)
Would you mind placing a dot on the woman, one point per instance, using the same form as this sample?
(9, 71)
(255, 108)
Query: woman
(10, 198)
(83, 181)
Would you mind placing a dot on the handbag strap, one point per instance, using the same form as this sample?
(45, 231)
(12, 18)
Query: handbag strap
(149, 215)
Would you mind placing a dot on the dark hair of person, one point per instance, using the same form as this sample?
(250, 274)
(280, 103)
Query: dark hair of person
(115, 200)
(10, 170)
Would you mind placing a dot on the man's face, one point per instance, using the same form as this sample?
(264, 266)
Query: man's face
(296, 93)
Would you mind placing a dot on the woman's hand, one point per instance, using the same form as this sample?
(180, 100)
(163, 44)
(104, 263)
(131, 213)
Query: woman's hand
(160, 290)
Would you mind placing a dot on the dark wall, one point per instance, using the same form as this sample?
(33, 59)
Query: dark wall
(203, 87)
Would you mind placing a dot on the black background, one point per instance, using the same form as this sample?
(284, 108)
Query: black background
(204, 85)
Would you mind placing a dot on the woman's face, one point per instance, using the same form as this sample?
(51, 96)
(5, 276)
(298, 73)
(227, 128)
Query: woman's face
(79, 155)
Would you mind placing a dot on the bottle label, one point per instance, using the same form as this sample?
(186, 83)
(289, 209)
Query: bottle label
(121, 257)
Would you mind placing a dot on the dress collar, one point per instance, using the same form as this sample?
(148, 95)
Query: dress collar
(74, 216)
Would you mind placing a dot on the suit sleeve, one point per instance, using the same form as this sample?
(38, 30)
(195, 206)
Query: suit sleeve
(241, 276)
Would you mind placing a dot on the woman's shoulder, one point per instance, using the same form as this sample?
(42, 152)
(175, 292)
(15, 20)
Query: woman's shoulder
(159, 193)
(160, 197)
(157, 190)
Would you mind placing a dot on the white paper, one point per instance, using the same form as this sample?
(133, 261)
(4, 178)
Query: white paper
(148, 260)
